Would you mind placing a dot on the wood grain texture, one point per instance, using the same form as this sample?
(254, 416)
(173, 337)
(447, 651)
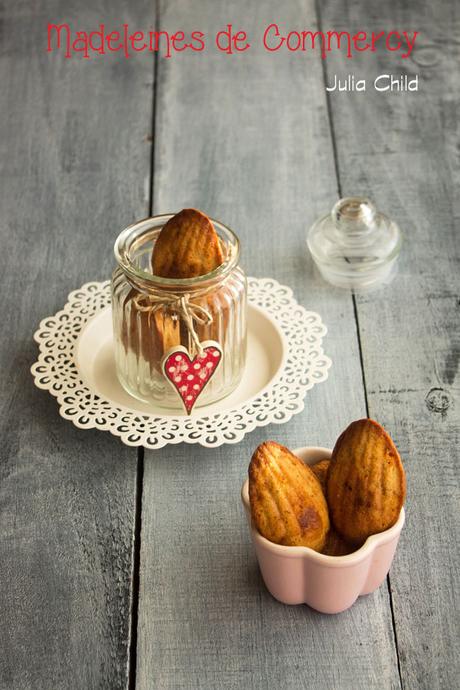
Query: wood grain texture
(404, 155)
(246, 139)
(74, 160)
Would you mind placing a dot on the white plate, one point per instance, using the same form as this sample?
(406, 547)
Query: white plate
(285, 359)
(96, 363)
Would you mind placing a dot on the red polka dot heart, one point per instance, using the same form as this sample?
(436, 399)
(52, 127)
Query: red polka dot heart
(190, 376)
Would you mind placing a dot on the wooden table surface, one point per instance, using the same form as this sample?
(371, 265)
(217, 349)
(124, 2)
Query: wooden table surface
(121, 569)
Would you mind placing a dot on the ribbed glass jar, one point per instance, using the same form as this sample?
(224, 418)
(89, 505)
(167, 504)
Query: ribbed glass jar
(145, 329)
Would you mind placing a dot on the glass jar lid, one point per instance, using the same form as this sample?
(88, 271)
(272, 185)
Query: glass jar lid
(355, 246)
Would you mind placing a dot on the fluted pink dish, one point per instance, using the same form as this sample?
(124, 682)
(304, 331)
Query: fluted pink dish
(329, 584)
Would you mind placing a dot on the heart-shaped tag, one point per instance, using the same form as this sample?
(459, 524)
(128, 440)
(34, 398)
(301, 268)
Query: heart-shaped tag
(190, 376)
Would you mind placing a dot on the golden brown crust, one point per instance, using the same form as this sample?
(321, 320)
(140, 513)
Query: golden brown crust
(148, 334)
(165, 332)
(187, 246)
(366, 484)
(287, 504)
(335, 545)
(320, 469)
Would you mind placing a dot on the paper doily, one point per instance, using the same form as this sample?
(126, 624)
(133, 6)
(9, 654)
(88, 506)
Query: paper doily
(305, 365)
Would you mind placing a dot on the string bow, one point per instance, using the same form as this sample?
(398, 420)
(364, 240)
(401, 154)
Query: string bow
(190, 312)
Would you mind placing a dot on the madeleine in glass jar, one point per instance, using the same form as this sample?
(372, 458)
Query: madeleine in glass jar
(179, 341)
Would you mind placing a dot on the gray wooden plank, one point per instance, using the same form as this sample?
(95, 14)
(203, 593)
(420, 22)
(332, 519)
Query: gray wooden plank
(74, 163)
(405, 156)
(246, 139)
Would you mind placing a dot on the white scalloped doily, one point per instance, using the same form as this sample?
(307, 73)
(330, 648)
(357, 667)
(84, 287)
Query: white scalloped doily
(305, 365)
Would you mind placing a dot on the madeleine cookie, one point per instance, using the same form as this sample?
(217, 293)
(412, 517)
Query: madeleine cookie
(287, 504)
(146, 333)
(366, 484)
(335, 545)
(320, 469)
(164, 331)
(187, 246)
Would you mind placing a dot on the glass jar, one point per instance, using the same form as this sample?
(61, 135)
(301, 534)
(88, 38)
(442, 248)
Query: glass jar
(148, 323)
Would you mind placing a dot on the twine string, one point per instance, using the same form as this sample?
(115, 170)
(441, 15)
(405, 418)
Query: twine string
(190, 312)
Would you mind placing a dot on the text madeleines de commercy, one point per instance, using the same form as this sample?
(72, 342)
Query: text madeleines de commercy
(229, 40)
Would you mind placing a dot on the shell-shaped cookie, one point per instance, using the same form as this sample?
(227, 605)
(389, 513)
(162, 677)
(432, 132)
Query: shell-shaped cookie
(366, 484)
(335, 545)
(287, 504)
(320, 470)
(146, 333)
(187, 246)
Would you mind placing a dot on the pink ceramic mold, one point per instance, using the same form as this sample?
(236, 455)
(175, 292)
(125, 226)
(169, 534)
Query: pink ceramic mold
(330, 584)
